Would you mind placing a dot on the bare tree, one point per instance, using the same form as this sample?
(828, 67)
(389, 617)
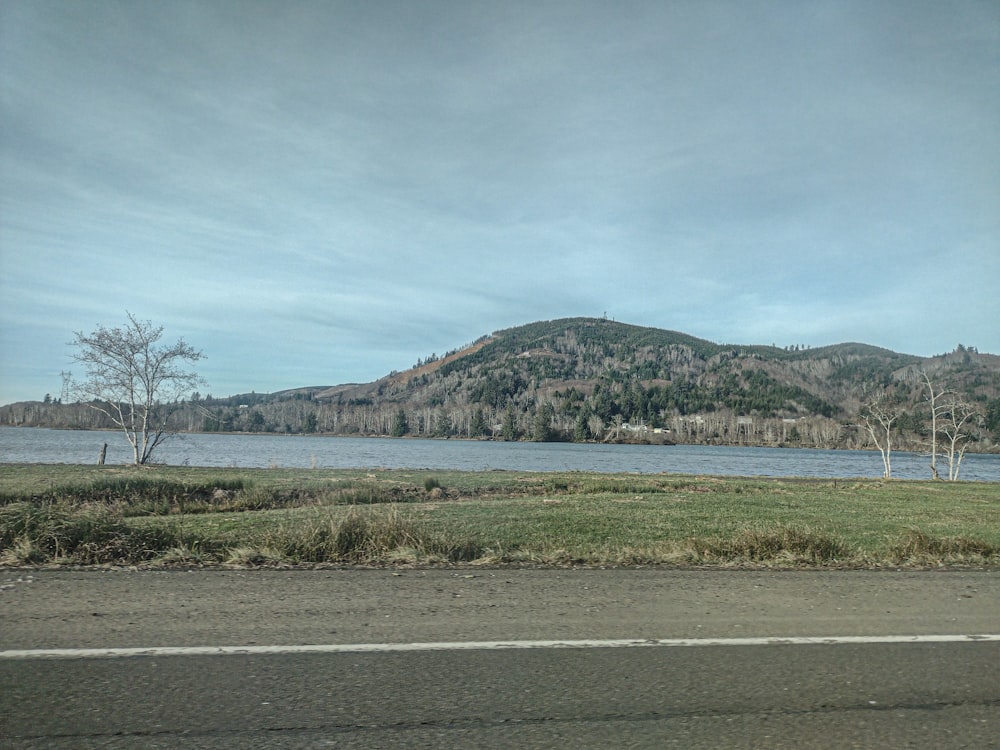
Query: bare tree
(134, 380)
(615, 428)
(959, 418)
(932, 399)
(878, 414)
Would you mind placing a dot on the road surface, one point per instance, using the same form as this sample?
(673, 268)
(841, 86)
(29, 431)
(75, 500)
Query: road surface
(696, 682)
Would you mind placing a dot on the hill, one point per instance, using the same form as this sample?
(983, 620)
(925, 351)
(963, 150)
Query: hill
(596, 379)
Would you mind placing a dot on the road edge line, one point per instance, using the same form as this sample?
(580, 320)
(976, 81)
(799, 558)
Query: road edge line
(356, 648)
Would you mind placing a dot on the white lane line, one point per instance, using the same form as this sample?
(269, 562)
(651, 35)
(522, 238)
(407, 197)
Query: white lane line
(355, 648)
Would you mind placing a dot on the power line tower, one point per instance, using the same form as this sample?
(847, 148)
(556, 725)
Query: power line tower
(67, 384)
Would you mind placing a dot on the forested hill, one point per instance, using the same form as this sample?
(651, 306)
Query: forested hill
(596, 379)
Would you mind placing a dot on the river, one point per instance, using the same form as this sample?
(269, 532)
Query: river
(38, 445)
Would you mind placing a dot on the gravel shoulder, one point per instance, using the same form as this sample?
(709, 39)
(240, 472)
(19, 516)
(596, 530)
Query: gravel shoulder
(118, 608)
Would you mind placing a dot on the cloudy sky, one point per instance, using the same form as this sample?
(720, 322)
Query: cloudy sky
(321, 192)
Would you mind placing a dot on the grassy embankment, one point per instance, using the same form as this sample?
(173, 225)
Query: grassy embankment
(83, 515)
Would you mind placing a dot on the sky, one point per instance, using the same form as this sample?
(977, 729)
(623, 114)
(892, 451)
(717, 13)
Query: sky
(316, 193)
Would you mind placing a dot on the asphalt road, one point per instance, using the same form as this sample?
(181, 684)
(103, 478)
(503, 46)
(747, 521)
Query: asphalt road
(845, 695)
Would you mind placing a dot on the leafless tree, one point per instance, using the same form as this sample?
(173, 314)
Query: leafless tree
(878, 414)
(596, 426)
(615, 428)
(134, 380)
(932, 399)
(959, 418)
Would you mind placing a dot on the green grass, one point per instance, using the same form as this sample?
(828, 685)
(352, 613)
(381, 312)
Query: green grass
(198, 516)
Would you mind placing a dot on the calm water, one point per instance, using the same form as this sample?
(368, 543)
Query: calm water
(35, 445)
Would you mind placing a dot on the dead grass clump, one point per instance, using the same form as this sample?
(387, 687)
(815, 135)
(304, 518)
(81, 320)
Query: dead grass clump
(88, 535)
(915, 546)
(362, 535)
(366, 535)
(781, 544)
(136, 494)
(184, 556)
(255, 557)
(369, 494)
(22, 552)
(626, 487)
(454, 548)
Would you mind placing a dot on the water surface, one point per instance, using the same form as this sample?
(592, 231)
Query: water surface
(38, 445)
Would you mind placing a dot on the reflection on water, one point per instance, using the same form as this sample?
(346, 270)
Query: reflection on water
(36, 445)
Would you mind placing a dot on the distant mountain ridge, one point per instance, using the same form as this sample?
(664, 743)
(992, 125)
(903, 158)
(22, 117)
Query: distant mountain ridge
(598, 379)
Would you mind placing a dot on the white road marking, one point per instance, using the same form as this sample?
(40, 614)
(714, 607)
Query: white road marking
(356, 648)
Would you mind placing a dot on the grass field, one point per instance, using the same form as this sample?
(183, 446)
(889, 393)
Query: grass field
(181, 516)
